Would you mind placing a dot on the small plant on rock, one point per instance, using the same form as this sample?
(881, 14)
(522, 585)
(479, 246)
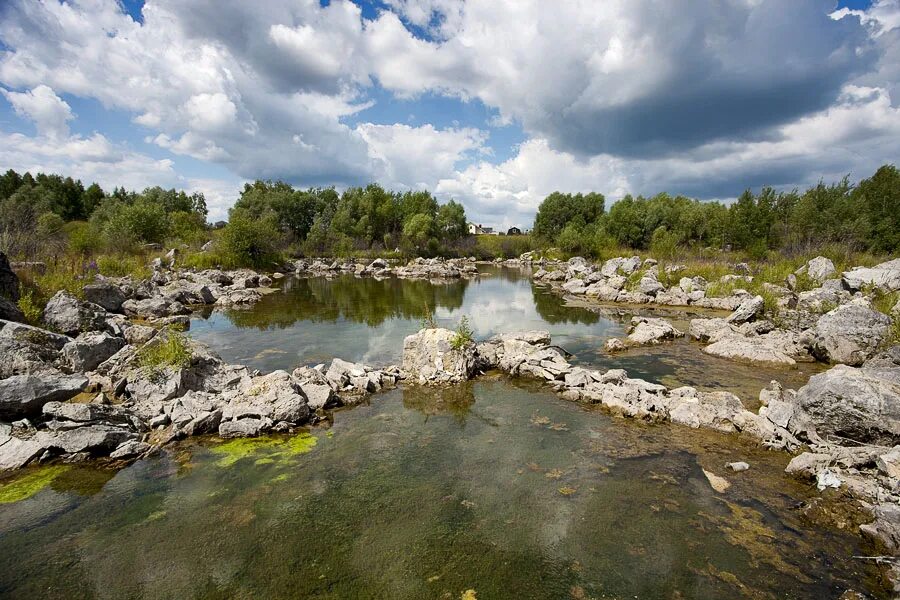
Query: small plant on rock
(463, 336)
(169, 349)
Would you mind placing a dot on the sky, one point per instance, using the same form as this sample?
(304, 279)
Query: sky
(493, 103)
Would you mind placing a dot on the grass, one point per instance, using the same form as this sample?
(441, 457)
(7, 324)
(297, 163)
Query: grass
(122, 265)
(168, 349)
(30, 306)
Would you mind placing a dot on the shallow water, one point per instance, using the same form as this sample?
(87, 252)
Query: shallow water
(493, 486)
(312, 320)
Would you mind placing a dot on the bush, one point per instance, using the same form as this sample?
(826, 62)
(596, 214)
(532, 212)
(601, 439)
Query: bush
(30, 306)
(663, 243)
(463, 336)
(121, 265)
(248, 242)
(84, 238)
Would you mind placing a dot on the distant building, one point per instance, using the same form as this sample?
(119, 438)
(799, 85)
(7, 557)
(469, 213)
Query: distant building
(219, 224)
(514, 231)
(480, 229)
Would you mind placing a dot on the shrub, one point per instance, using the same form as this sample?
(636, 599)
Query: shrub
(84, 238)
(463, 336)
(121, 265)
(249, 242)
(30, 306)
(663, 243)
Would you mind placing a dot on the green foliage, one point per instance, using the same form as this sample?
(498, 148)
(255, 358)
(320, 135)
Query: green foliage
(121, 265)
(489, 247)
(463, 336)
(168, 349)
(558, 211)
(663, 243)
(837, 216)
(248, 242)
(30, 306)
(83, 237)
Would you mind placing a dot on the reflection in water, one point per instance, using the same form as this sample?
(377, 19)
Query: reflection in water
(314, 320)
(503, 488)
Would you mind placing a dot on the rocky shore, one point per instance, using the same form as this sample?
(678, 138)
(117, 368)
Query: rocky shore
(419, 268)
(834, 322)
(114, 381)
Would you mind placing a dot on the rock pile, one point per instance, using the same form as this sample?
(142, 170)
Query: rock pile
(419, 268)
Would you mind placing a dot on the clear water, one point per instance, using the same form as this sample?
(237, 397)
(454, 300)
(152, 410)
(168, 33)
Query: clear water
(312, 320)
(496, 487)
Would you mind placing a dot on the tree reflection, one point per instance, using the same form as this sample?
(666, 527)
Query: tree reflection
(551, 308)
(361, 300)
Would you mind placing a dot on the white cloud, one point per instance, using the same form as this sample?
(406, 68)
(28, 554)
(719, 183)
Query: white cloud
(417, 157)
(49, 112)
(626, 95)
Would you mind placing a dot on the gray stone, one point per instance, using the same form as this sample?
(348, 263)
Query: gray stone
(129, 449)
(849, 334)
(319, 396)
(88, 350)
(33, 335)
(68, 315)
(25, 395)
(647, 331)
(9, 311)
(105, 294)
(429, 357)
(862, 404)
(886, 527)
(737, 467)
(242, 428)
(885, 276)
(9, 281)
(748, 310)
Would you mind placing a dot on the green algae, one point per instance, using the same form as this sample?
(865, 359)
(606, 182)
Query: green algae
(276, 449)
(29, 484)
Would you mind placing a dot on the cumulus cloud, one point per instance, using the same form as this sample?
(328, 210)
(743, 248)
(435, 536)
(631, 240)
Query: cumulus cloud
(695, 96)
(49, 112)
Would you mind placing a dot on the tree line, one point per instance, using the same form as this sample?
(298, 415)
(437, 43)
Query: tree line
(322, 221)
(51, 214)
(865, 216)
(41, 212)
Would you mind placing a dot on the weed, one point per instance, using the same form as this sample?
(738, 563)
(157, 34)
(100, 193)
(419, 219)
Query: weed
(168, 349)
(463, 336)
(30, 306)
(428, 321)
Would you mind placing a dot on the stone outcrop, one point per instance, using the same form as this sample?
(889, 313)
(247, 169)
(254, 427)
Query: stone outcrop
(862, 404)
(105, 294)
(646, 331)
(849, 334)
(25, 395)
(9, 281)
(68, 315)
(438, 356)
(885, 277)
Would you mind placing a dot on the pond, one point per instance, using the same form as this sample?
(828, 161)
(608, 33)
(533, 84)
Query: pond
(493, 489)
(312, 320)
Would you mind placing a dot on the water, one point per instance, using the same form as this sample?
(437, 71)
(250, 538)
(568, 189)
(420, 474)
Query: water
(497, 486)
(312, 320)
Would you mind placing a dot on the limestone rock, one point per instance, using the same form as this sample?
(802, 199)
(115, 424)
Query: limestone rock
(647, 331)
(748, 310)
(862, 404)
(88, 350)
(849, 334)
(24, 395)
(69, 315)
(885, 276)
(429, 356)
(105, 294)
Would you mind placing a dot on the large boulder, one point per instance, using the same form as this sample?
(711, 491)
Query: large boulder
(34, 335)
(88, 350)
(849, 334)
(818, 269)
(429, 356)
(862, 404)
(9, 281)
(778, 347)
(105, 294)
(275, 396)
(67, 314)
(885, 276)
(25, 395)
(646, 331)
(747, 311)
